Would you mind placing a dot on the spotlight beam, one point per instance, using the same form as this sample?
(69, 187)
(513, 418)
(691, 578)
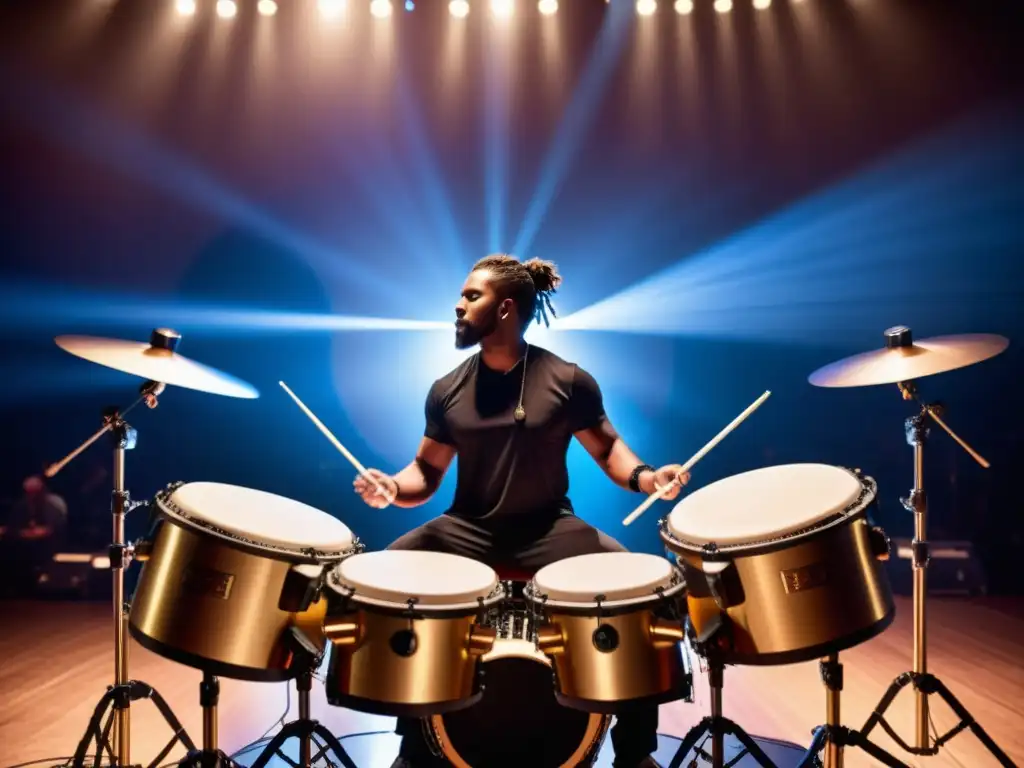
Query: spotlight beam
(573, 127)
(425, 164)
(73, 123)
(896, 240)
(495, 106)
(52, 306)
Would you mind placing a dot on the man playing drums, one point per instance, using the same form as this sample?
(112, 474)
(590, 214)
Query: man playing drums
(509, 412)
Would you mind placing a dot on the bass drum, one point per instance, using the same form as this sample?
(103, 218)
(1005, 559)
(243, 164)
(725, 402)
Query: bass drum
(518, 721)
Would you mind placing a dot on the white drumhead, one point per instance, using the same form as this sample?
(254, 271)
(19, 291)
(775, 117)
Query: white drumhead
(435, 579)
(619, 576)
(260, 517)
(763, 504)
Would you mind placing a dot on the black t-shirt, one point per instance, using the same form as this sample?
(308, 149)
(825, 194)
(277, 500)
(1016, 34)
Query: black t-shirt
(507, 469)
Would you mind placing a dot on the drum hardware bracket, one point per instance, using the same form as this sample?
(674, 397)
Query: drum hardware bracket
(404, 642)
(304, 729)
(604, 637)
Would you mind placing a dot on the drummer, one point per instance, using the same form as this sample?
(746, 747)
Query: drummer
(509, 412)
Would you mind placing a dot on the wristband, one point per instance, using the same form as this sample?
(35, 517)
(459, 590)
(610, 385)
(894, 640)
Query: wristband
(634, 476)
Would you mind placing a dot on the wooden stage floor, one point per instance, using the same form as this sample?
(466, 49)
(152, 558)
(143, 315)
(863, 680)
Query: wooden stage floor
(57, 661)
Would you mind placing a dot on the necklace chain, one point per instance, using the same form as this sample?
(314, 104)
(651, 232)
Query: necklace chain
(520, 412)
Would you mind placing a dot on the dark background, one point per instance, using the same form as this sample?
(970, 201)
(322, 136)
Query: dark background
(287, 168)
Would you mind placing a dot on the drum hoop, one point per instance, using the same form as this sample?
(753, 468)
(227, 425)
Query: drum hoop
(412, 608)
(868, 488)
(601, 607)
(164, 502)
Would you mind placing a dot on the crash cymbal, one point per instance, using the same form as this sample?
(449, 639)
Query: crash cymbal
(156, 361)
(903, 359)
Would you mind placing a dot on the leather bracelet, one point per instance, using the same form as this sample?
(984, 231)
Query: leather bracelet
(634, 476)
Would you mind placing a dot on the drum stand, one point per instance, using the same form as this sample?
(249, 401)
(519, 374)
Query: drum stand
(304, 729)
(926, 684)
(717, 726)
(833, 736)
(210, 756)
(114, 739)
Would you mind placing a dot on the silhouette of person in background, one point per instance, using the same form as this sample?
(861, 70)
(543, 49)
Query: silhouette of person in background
(35, 530)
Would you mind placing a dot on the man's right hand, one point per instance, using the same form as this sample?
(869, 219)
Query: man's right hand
(370, 492)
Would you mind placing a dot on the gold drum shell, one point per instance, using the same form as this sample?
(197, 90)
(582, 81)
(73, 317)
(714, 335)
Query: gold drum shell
(647, 664)
(368, 674)
(790, 602)
(208, 603)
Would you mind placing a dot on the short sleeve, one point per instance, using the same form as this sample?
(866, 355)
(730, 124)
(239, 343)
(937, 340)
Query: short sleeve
(437, 423)
(586, 403)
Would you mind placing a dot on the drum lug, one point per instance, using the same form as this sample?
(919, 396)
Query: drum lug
(880, 545)
(142, 550)
(481, 640)
(344, 632)
(301, 588)
(550, 640)
(664, 632)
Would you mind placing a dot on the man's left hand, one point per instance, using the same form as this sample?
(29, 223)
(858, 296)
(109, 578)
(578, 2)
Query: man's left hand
(670, 474)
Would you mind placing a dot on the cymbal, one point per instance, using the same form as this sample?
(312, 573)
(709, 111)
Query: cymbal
(905, 360)
(156, 361)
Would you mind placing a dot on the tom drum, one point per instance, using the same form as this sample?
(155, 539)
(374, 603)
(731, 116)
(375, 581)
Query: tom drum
(232, 579)
(612, 623)
(406, 631)
(781, 563)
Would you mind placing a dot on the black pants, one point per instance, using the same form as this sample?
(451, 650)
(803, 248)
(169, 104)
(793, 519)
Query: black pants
(526, 546)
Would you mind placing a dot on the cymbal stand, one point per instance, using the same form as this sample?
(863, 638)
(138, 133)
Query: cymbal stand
(114, 739)
(925, 684)
(717, 726)
(833, 737)
(304, 729)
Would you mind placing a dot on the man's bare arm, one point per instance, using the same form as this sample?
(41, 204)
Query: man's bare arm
(422, 477)
(613, 456)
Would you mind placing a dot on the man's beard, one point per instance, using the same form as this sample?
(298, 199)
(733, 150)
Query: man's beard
(468, 335)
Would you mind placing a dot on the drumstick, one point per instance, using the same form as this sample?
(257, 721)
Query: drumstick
(696, 457)
(327, 433)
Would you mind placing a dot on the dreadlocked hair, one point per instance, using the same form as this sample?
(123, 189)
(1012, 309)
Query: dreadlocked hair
(530, 284)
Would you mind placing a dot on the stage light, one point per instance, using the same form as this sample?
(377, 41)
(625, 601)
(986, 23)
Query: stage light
(331, 9)
(410, 5)
(459, 8)
(646, 7)
(723, 6)
(503, 8)
(548, 7)
(381, 8)
(227, 9)
(684, 7)
(762, 4)
(186, 7)
(267, 7)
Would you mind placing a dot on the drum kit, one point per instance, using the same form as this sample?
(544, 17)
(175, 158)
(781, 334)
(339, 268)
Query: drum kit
(778, 565)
